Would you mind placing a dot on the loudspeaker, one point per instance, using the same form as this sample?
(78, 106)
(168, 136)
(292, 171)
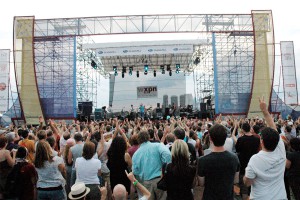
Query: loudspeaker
(87, 107)
(98, 114)
(80, 106)
(167, 111)
(203, 107)
(208, 102)
(158, 105)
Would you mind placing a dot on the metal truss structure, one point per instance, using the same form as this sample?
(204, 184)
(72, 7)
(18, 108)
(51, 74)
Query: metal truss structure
(57, 56)
(88, 76)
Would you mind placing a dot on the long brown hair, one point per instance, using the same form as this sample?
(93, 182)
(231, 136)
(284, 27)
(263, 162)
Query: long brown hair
(66, 153)
(43, 153)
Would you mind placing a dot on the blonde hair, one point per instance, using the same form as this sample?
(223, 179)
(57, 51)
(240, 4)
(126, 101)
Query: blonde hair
(180, 150)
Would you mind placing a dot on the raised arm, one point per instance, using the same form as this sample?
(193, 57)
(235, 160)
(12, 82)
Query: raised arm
(141, 188)
(263, 107)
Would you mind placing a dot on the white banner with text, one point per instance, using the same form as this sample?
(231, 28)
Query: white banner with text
(289, 73)
(145, 50)
(4, 79)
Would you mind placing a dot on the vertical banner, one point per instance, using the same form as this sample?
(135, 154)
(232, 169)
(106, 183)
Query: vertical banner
(289, 72)
(4, 79)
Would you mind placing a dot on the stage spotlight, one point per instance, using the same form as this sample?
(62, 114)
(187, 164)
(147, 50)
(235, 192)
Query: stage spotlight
(197, 60)
(137, 73)
(170, 73)
(124, 69)
(93, 64)
(154, 73)
(168, 67)
(130, 70)
(146, 67)
(177, 71)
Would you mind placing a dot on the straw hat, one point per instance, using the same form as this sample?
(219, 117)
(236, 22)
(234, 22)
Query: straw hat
(78, 190)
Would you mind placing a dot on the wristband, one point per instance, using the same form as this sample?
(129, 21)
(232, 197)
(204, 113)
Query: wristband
(135, 182)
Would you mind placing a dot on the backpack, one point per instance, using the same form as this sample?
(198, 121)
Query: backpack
(14, 187)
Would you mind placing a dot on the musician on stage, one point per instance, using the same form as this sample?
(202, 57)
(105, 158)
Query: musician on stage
(173, 110)
(142, 111)
(131, 114)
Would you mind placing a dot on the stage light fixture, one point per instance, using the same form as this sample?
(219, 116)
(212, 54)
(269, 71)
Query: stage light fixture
(197, 60)
(168, 67)
(154, 73)
(177, 66)
(130, 70)
(93, 64)
(146, 67)
(137, 73)
(115, 68)
(170, 73)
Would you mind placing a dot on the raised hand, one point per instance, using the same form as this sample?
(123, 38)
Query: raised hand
(262, 104)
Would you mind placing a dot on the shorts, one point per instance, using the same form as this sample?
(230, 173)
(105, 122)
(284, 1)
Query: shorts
(243, 188)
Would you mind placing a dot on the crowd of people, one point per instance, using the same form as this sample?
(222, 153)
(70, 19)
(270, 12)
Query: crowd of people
(221, 158)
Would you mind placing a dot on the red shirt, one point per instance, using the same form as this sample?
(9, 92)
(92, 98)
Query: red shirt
(133, 149)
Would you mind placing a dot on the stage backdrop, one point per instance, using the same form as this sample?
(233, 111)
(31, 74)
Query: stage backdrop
(147, 89)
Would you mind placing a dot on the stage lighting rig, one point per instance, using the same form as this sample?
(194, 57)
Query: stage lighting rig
(146, 67)
(93, 64)
(124, 69)
(168, 67)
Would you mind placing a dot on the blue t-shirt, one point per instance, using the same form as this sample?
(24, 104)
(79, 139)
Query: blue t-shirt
(142, 109)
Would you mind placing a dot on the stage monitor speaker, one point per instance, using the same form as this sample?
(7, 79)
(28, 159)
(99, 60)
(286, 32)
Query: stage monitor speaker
(203, 107)
(80, 106)
(98, 114)
(208, 102)
(87, 108)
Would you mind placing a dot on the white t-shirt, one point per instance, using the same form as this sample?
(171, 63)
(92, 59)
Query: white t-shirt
(62, 145)
(87, 170)
(228, 144)
(267, 170)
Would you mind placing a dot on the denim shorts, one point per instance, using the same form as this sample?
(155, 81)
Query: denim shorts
(51, 195)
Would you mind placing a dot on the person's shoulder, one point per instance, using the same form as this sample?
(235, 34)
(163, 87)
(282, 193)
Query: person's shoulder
(95, 160)
(28, 167)
(190, 146)
(58, 159)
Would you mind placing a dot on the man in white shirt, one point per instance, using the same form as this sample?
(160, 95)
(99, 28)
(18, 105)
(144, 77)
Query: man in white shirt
(265, 170)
